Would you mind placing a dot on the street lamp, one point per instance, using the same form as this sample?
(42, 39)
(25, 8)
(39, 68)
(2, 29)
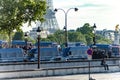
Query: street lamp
(38, 33)
(65, 27)
(94, 32)
(94, 43)
(26, 36)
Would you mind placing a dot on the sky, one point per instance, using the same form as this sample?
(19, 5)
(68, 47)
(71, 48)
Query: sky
(104, 13)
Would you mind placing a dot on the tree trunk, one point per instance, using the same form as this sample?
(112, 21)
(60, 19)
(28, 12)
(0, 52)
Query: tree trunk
(10, 39)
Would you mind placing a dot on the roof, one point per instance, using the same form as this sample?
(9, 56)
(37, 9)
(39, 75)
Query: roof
(19, 42)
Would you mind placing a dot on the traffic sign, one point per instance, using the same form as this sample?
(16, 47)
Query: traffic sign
(89, 51)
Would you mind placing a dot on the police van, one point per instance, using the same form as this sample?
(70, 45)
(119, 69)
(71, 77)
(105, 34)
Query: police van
(11, 55)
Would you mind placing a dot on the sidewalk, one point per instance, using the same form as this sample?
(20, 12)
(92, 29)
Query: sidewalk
(101, 76)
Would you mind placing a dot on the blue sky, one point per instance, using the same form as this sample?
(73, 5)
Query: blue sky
(105, 13)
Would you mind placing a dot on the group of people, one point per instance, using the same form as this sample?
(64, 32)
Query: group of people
(100, 54)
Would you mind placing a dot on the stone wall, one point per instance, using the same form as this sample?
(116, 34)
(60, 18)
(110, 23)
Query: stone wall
(17, 70)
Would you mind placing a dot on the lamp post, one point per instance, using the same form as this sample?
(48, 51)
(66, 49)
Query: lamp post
(38, 33)
(94, 32)
(94, 43)
(65, 27)
(26, 36)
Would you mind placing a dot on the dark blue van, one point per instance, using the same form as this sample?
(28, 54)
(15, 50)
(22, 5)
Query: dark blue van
(11, 55)
(46, 53)
(75, 52)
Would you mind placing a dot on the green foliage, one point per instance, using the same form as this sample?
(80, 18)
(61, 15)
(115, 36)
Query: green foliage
(60, 37)
(89, 39)
(45, 39)
(3, 37)
(102, 40)
(31, 10)
(18, 36)
(83, 34)
(52, 38)
(13, 13)
(76, 37)
(87, 31)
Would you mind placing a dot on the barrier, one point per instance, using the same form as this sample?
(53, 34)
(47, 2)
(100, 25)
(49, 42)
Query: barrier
(55, 71)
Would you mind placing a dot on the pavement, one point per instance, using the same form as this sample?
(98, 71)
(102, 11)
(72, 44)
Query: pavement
(97, 76)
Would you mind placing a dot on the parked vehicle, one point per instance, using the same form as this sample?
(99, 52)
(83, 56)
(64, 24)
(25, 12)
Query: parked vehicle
(75, 52)
(3, 43)
(47, 44)
(11, 55)
(115, 51)
(46, 53)
(20, 42)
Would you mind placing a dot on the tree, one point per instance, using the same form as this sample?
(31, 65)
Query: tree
(3, 37)
(18, 36)
(89, 39)
(60, 37)
(51, 38)
(76, 37)
(87, 31)
(14, 13)
(101, 39)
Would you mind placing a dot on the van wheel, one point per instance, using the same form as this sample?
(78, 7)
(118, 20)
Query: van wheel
(25, 60)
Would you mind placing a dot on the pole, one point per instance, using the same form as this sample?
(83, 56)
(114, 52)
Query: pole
(94, 37)
(90, 78)
(26, 45)
(89, 69)
(38, 51)
(65, 27)
(94, 41)
(66, 33)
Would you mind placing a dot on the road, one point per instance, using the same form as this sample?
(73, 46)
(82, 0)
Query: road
(97, 76)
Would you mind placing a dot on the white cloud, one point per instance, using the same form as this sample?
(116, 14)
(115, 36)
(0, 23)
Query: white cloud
(105, 13)
(65, 3)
